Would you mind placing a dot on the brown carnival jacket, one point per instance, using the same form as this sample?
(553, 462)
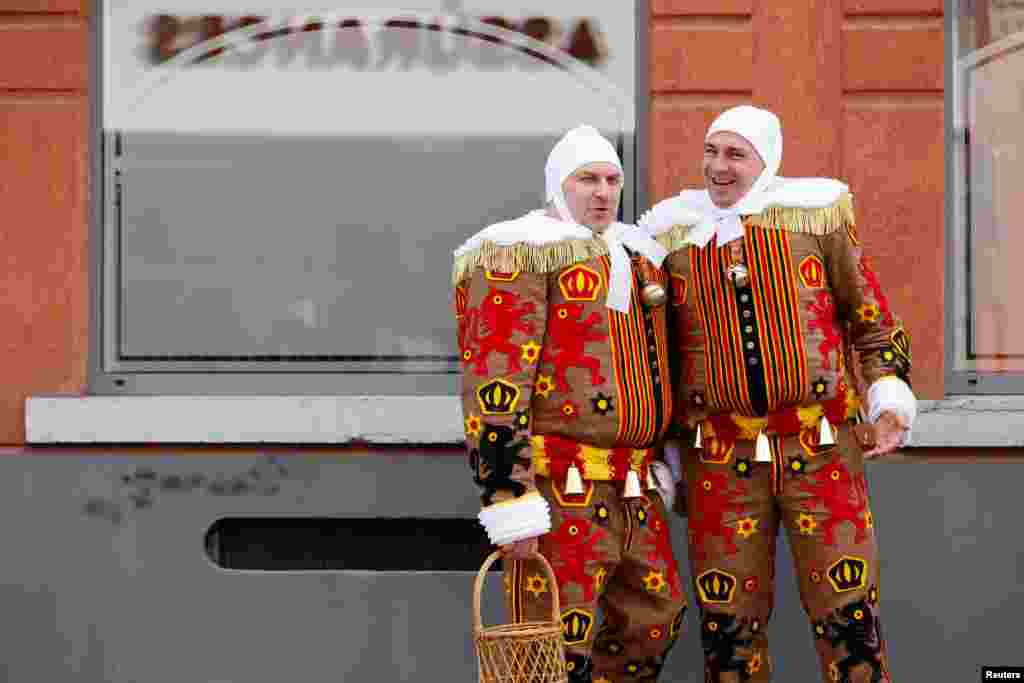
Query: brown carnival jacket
(783, 348)
(551, 376)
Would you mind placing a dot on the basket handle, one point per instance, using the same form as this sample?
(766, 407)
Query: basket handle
(556, 608)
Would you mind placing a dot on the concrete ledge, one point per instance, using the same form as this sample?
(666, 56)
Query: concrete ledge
(966, 421)
(243, 419)
(957, 421)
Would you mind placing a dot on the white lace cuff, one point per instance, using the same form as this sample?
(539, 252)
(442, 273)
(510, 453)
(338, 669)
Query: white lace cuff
(673, 460)
(664, 483)
(516, 519)
(893, 394)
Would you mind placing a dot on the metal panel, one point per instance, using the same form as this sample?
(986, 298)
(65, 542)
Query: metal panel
(102, 583)
(171, 316)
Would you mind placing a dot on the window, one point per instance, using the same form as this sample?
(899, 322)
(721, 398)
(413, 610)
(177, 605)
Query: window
(985, 209)
(282, 189)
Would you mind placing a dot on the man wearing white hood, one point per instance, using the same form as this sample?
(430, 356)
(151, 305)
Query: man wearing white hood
(566, 391)
(773, 301)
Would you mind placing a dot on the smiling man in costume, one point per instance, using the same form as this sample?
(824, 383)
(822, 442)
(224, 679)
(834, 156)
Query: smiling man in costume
(565, 392)
(773, 302)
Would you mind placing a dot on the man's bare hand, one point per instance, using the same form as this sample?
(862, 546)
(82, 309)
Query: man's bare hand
(889, 431)
(520, 550)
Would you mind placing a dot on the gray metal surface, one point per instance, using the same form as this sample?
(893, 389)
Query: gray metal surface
(225, 254)
(96, 588)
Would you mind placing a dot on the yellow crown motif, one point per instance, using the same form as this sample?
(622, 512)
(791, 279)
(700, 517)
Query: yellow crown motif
(847, 574)
(715, 585)
(580, 283)
(497, 397)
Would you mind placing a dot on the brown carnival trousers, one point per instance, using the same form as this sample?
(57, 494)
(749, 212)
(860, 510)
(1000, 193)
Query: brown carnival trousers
(611, 553)
(735, 506)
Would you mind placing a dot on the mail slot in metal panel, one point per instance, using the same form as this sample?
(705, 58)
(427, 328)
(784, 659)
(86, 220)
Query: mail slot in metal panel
(400, 544)
(102, 583)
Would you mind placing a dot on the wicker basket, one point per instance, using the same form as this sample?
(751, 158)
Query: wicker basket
(530, 652)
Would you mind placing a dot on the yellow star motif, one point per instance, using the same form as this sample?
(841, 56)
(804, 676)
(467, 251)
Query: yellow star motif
(531, 350)
(746, 527)
(473, 425)
(806, 524)
(544, 386)
(754, 665)
(868, 313)
(742, 467)
(537, 585)
(654, 581)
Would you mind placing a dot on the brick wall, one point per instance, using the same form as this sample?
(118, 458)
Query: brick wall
(859, 88)
(44, 175)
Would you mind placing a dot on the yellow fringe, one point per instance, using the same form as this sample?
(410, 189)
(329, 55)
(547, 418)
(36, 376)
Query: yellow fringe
(674, 238)
(811, 221)
(551, 257)
(529, 258)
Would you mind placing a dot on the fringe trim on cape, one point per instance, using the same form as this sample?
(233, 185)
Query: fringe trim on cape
(547, 258)
(838, 216)
(530, 258)
(674, 238)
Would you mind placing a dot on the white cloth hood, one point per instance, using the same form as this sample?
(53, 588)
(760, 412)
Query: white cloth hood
(763, 130)
(580, 146)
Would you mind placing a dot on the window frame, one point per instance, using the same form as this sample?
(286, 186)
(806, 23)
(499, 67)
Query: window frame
(957, 202)
(108, 374)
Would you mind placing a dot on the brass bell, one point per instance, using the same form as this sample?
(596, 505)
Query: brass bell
(739, 274)
(653, 295)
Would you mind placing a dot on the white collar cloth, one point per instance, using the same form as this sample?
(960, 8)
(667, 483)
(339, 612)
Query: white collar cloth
(620, 281)
(727, 225)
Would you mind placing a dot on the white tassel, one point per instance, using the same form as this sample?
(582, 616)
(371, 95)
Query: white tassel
(651, 483)
(762, 449)
(632, 489)
(825, 437)
(573, 482)
(697, 442)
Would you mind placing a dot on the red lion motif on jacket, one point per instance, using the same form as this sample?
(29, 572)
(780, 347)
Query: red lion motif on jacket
(824, 310)
(573, 544)
(568, 339)
(501, 315)
(843, 495)
(714, 499)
